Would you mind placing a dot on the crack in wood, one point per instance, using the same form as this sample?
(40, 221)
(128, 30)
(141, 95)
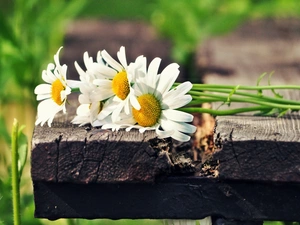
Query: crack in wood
(57, 141)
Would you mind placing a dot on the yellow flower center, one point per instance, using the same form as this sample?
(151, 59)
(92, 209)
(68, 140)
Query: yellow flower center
(57, 87)
(120, 85)
(150, 111)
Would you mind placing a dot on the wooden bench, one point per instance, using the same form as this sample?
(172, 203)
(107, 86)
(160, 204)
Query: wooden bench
(252, 175)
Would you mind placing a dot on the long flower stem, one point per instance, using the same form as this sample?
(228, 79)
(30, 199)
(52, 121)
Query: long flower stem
(15, 175)
(217, 112)
(251, 100)
(265, 87)
(246, 94)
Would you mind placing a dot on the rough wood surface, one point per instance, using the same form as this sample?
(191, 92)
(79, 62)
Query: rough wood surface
(258, 148)
(74, 154)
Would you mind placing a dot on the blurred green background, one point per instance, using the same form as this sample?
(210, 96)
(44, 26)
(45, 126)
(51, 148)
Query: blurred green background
(31, 31)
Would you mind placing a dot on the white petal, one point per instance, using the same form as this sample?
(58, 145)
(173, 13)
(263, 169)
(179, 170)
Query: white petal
(46, 110)
(48, 77)
(100, 95)
(154, 66)
(107, 110)
(180, 90)
(40, 97)
(56, 57)
(163, 133)
(73, 83)
(168, 77)
(176, 103)
(122, 57)
(106, 71)
(84, 99)
(88, 61)
(115, 114)
(134, 102)
(180, 136)
(179, 126)
(79, 70)
(110, 61)
(178, 116)
(43, 89)
(103, 82)
(152, 73)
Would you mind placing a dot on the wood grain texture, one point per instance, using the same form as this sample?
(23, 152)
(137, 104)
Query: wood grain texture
(258, 148)
(74, 154)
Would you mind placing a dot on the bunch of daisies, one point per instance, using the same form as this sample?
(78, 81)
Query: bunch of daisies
(115, 95)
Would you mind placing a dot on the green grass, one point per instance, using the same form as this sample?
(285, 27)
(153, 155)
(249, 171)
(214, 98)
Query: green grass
(118, 9)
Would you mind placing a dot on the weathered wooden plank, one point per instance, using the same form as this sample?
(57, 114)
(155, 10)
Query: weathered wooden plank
(175, 198)
(74, 154)
(258, 148)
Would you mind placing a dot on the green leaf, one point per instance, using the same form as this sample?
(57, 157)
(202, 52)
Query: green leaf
(22, 150)
(283, 112)
(3, 130)
(259, 92)
(7, 31)
(232, 93)
(277, 95)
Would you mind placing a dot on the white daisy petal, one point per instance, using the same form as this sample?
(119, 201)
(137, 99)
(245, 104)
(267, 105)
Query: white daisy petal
(79, 70)
(40, 97)
(48, 77)
(56, 56)
(180, 136)
(73, 83)
(153, 70)
(43, 89)
(178, 116)
(176, 102)
(110, 61)
(182, 127)
(106, 71)
(164, 133)
(134, 102)
(102, 82)
(180, 90)
(107, 110)
(168, 77)
(122, 57)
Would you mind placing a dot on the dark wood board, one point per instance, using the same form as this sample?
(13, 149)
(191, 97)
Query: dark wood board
(176, 198)
(74, 154)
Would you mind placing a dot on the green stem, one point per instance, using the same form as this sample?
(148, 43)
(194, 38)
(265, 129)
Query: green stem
(15, 175)
(75, 90)
(267, 87)
(217, 112)
(249, 100)
(259, 97)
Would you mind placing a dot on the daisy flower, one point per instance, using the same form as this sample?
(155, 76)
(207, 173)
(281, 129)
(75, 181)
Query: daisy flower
(54, 93)
(90, 99)
(118, 79)
(159, 103)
